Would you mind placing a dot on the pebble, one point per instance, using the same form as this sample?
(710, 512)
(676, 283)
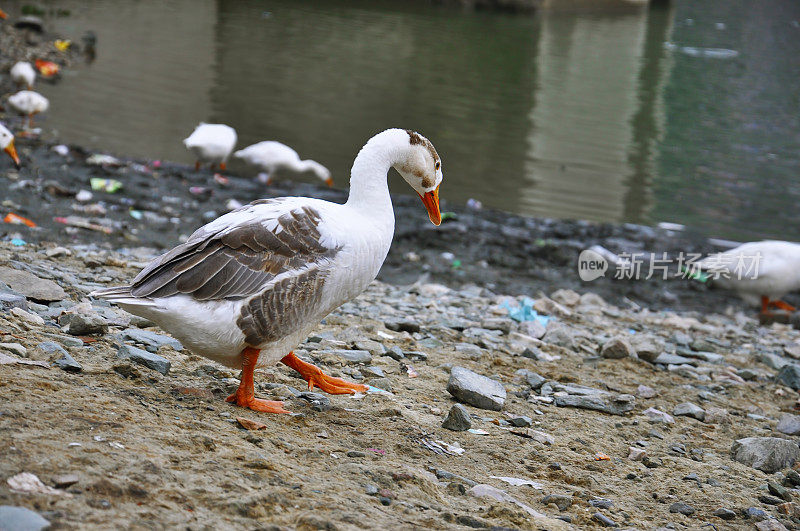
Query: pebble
(617, 347)
(520, 422)
(725, 514)
(789, 375)
(779, 491)
(12, 300)
(142, 357)
(373, 372)
(349, 356)
(659, 416)
(768, 454)
(476, 390)
(396, 353)
(644, 391)
(31, 286)
(756, 514)
(27, 317)
(601, 503)
(618, 405)
(20, 519)
(65, 480)
(562, 501)
(769, 500)
(636, 454)
(604, 520)
(68, 363)
(534, 380)
(381, 383)
(687, 409)
(151, 339)
(14, 348)
(319, 402)
(458, 419)
(682, 508)
(402, 326)
(82, 324)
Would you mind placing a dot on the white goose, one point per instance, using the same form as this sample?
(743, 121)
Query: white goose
(758, 272)
(28, 103)
(7, 144)
(270, 156)
(22, 73)
(245, 289)
(212, 143)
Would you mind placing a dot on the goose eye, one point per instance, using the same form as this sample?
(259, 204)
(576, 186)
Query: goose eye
(437, 165)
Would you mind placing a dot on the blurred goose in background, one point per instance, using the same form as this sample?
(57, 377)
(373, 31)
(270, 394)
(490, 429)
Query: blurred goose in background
(7, 144)
(245, 289)
(28, 103)
(270, 156)
(211, 143)
(22, 73)
(759, 272)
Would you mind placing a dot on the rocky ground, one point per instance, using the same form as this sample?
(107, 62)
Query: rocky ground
(589, 415)
(616, 403)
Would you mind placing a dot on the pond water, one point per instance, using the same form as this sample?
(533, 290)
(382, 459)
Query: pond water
(616, 116)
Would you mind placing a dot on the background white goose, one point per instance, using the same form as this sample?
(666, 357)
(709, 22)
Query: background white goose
(28, 103)
(211, 143)
(7, 144)
(22, 73)
(759, 272)
(270, 156)
(245, 289)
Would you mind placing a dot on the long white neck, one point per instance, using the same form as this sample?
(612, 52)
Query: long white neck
(368, 186)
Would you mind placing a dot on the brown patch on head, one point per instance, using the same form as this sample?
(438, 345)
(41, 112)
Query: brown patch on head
(415, 138)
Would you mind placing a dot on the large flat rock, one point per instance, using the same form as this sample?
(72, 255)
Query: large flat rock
(33, 287)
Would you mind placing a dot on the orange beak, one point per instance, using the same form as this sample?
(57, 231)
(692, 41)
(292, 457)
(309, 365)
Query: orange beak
(329, 181)
(3, 14)
(12, 152)
(431, 202)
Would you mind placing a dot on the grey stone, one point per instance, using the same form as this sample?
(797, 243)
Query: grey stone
(476, 390)
(682, 508)
(51, 347)
(445, 475)
(12, 300)
(768, 454)
(472, 351)
(601, 503)
(575, 389)
(756, 514)
(373, 371)
(416, 355)
(725, 514)
(20, 519)
(402, 326)
(644, 391)
(65, 340)
(658, 416)
(142, 357)
(457, 419)
(604, 520)
(396, 353)
(617, 348)
(779, 491)
(15, 348)
(647, 347)
(531, 378)
(319, 402)
(617, 405)
(68, 363)
(381, 383)
(773, 361)
(562, 501)
(567, 297)
(521, 421)
(687, 409)
(559, 334)
(82, 324)
(145, 337)
(790, 375)
(350, 356)
(769, 500)
(792, 478)
(31, 286)
(789, 424)
(535, 329)
(666, 358)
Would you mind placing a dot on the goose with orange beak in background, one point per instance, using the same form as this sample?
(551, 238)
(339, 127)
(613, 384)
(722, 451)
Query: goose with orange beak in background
(245, 289)
(22, 73)
(28, 103)
(270, 156)
(7, 144)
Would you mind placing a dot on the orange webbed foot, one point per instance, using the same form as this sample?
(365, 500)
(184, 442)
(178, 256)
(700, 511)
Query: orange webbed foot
(316, 378)
(256, 404)
(782, 306)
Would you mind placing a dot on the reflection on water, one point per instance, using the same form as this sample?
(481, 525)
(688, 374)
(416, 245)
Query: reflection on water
(581, 115)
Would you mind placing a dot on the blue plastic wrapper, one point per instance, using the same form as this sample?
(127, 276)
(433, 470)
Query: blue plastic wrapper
(525, 312)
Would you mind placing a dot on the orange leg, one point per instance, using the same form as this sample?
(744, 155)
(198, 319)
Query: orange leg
(197, 166)
(766, 304)
(222, 166)
(244, 395)
(315, 377)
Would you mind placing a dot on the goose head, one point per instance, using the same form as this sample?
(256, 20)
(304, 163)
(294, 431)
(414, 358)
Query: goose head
(420, 166)
(319, 170)
(7, 144)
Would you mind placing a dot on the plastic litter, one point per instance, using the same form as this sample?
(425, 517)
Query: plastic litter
(61, 149)
(474, 204)
(136, 214)
(475, 431)
(377, 451)
(84, 196)
(47, 68)
(98, 159)
(16, 219)
(709, 53)
(517, 482)
(525, 312)
(412, 373)
(221, 179)
(27, 483)
(105, 185)
(18, 242)
(62, 45)
(232, 204)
